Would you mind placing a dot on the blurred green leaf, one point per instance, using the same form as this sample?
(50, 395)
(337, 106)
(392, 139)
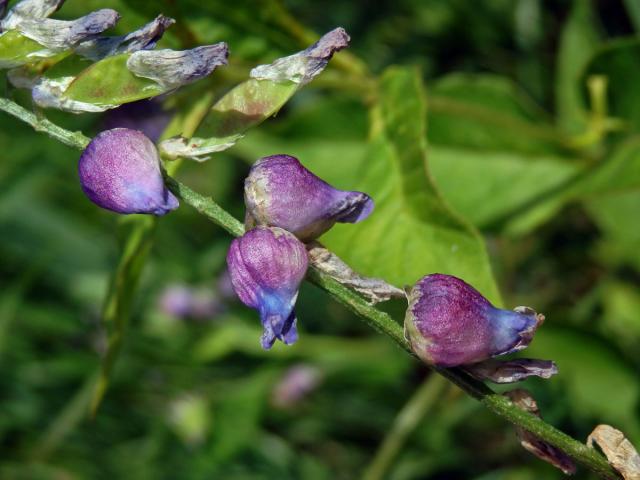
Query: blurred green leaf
(412, 231)
(488, 112)
(579, 40)
(618, 62)
(486, 187)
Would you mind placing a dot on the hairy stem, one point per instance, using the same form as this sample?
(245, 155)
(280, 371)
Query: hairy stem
(379, 320)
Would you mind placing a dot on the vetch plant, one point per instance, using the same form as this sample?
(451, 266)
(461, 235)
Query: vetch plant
(449, 325)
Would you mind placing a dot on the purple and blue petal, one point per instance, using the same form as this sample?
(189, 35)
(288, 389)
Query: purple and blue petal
(450, 323)
(120, 171)
(280, 191)
(266, 266)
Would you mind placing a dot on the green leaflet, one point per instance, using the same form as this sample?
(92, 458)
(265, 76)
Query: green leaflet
(16, 50)
(412, 231)
(246, 106)
(109, 82)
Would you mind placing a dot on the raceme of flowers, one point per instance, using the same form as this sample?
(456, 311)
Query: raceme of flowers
(448, 323)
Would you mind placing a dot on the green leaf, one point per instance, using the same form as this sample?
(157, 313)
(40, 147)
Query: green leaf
(484, 126)
(412, 232)
(109, 82)
(579, 40)
(488, 112)
(618, 61)
(509, 183)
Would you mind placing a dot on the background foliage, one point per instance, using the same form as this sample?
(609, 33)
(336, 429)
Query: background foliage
(528, 123)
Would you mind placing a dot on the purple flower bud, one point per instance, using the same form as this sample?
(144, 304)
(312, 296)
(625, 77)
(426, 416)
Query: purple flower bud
(280, 191)
(120, 171)
(450, 323)
(266, 267)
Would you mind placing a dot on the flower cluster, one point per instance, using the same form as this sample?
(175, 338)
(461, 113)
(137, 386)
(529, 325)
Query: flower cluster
(286, 206)
(448, 323)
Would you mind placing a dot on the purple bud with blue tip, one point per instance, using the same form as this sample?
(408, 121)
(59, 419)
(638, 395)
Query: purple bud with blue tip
(266, 266)
(120, 171)
(449, 323)
(281, 192)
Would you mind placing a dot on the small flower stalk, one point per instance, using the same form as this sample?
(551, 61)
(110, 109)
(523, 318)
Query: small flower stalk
(281, 192)
(120, 171)
(266, 266)
(449, 323)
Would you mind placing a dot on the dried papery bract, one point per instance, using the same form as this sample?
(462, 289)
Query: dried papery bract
(256, 99)
(60, 35)
(27, 10)
(266, 267)
(532, 443)
(620, 452)
(449, 323)
(511, 371)
(281, 192)
(145, 38)
(120, 171)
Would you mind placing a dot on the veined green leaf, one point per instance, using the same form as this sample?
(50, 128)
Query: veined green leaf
(412, 231)
(109, 82)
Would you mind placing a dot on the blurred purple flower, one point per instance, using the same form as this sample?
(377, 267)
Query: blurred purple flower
(295, 385)
(120, 171)
(449, 323)
(266, 267)
(281, 192)
(183, 301)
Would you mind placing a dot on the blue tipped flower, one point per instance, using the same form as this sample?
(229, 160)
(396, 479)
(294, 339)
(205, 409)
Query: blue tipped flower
(266, 267)
(450, 323)
(120, 171)
(281, 192)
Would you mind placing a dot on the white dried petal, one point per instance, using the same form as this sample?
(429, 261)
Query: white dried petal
(144, 38)
(174, 68)
(304, 66)
(60, 35)
(28, 10)
(196, 148)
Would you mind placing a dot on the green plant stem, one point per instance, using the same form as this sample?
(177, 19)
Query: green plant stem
(39, 124)
(379, 320)
(407, 420)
